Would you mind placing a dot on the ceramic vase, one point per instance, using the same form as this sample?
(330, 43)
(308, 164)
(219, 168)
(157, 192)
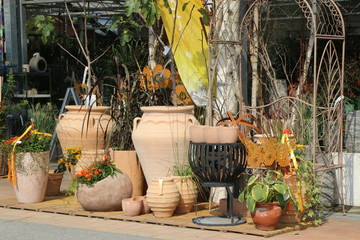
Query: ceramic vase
(197, 133)
(132, 206)
(105, 195)
(31, 176)
(266, 216)
(188, 194)
(84, 128)
(54, 184)
(161, 138)
(163, 197)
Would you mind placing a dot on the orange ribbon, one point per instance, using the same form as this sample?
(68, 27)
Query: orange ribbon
(11, 161)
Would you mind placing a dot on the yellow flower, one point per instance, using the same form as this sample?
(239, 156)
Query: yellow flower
(67, 165)
(78, 156)
(66, 149)
(60, 160)
(73, 151)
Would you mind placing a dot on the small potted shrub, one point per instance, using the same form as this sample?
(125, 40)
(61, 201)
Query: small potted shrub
(266, 198)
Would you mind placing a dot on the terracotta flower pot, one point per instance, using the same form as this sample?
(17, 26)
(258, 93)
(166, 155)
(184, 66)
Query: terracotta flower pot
(211, 135)
(128, 162)
(227, 134)
(197, 133)
(31, 176)
(163, 197)
(239, 208)
(54, 184)
(79, 128)
(188, 194)
(105, 195)
(266, 216)
(145, 206)
(161, 138)
(132, 206)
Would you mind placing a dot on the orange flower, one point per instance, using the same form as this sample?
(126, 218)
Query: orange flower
(97, 173)
(89, 179)
(105, 157)
(287, 131)
(100, 170)
(92, 169)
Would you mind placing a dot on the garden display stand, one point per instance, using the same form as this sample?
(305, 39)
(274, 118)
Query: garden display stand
(218, 165)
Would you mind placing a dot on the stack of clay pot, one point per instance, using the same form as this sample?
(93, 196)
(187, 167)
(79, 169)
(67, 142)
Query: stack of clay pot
(209, 134)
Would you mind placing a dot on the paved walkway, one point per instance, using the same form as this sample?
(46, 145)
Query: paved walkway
(336, 227)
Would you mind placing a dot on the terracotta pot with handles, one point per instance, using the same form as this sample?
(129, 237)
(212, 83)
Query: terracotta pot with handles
(84, 129)
(161, 138)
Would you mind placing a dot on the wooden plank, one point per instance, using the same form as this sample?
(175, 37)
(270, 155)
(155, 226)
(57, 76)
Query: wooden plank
(69, 206)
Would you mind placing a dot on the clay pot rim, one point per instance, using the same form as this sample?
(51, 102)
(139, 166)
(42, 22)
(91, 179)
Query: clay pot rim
(80, 108)
(132, 199)
(167, 109)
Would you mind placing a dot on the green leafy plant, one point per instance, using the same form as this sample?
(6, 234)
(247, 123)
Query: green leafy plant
(95, 173)
(43, 25)
(272, 188)
(70, 158)
(7, 106)
(310, 182)
(43, 116)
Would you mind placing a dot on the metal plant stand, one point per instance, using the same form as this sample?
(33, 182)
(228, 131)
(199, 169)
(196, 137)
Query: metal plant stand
(218, 165)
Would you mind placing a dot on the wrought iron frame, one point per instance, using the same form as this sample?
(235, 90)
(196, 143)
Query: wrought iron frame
(326, 25)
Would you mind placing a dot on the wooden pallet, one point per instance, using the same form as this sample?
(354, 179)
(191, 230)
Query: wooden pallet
(69, 206)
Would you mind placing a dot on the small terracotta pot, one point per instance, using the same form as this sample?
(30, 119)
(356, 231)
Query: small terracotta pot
(145, 206)
(266, 216)
(54, 184)
(211, 135)
(239, 208)
(132, 206)
(227, 134)
(197, 133)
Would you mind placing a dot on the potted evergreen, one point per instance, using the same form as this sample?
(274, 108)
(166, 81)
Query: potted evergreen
(266, 198)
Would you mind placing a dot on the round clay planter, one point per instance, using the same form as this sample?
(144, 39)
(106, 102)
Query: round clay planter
(132, 206)
(266, 216)
(84, 128)
(54, 184)
(239, 208)
(188, 194)
(31, 176)
(105, 195)
(161, 138)
(197, 133)
(227, 134)
(145, 206)
(163, 197)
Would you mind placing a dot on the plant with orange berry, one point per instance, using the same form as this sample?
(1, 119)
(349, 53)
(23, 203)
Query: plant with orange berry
(97, 172)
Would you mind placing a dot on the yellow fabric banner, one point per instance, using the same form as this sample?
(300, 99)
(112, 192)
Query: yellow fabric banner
(190, 48)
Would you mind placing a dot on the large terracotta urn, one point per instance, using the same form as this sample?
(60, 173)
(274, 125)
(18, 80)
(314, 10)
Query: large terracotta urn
(105, 195)
(163, 197)
(161, 138)
(84, 128)
(31, 176)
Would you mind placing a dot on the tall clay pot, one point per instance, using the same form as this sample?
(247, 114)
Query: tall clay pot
(128, 163)
(188, 194)
(82, 128)
(161, 138)
(31, 176)
(163, 197)
(105, 195)
(266, 216)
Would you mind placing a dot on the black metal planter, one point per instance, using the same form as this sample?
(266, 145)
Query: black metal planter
(218, 165)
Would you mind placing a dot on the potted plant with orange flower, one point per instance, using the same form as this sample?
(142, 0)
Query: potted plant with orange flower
(29, 155)
(70, 158)
(101, 187)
